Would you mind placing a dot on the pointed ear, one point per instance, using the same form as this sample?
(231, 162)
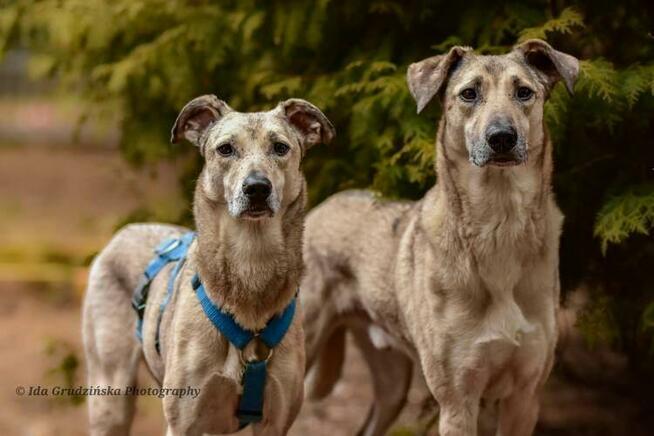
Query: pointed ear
(308, 120)
(196, 117)
(552, 65)
(427, 77)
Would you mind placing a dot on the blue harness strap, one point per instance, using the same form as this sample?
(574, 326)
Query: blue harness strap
(250, 407)
(170, 250)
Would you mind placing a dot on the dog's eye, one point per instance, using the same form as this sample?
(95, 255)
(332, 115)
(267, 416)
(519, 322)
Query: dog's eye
(280, 148)
(225, 150)
(468, 94)
(523, 93)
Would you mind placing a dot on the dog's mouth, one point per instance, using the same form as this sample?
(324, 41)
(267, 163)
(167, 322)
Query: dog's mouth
(504, 161)
(256, 213)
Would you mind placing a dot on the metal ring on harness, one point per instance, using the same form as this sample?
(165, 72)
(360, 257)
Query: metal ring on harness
(245, 361)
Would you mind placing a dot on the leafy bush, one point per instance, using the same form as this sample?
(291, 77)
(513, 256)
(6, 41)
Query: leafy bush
(151, 56)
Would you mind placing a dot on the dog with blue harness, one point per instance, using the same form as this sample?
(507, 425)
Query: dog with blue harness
(253, 380)
(216, 309)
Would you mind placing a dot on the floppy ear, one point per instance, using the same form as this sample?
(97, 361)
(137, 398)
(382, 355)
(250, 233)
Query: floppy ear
(551, 64)
(196, 116)
(427, 77)
(308, 120)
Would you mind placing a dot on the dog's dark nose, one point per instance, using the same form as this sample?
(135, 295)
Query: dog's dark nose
(501, 139)
(257, 187)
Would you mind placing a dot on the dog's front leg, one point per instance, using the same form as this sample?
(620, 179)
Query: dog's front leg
(455, 385)
(459, 410)
(459, 417)
(267, 430)
(518, 414)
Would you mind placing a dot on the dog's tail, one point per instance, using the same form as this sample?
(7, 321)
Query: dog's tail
(328, 366)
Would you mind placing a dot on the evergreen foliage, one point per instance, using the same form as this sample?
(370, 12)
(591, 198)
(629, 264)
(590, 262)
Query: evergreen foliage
(149, 57)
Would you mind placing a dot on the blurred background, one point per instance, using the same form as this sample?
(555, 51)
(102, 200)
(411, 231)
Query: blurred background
(89, 90)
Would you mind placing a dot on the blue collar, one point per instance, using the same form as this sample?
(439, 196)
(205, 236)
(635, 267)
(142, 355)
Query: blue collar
(250, 407)
(271, 335)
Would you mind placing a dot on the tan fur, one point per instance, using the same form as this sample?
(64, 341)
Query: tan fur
(465, 281)
(250, 266)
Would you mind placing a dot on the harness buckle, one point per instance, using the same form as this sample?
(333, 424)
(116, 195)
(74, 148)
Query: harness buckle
(140, 296)
(167, 248)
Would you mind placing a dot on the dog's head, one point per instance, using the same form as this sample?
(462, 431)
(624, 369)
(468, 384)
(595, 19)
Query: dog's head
(252, 160)
(493, 105)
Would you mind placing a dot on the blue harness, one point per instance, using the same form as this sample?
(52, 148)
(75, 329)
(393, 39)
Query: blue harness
(250, 407)
(170, 250)
(253, 380)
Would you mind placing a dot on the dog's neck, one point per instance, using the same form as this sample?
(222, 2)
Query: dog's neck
(490, 202)
(251, 269)
(491, 219)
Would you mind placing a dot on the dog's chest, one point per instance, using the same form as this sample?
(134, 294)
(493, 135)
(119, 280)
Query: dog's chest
(202, 357)
(513, 338)
(511, 365)
(500, 251)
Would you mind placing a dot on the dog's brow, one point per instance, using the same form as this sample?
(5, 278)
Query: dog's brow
(276, 137)
(221, 138)
(517, 80)
(472, 81)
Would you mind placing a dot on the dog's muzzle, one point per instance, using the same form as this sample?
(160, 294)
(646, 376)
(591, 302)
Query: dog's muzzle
(502, 147)
(257, 188)
(256, 200)
(501, 139)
